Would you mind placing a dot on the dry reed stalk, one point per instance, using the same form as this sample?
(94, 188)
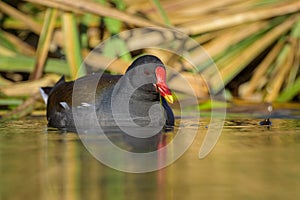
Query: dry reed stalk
(143, 7)
(7, 52)
(262, 68)
(165, 56)
(195, 7)
(190, 84)
(246, 6)
(280, 59)
(203, 38)
(200, 56)
(162, 13)
(276, 82)
(97, 9)
(20, 45)
(232, 37)
(97, 61)
(179, 11)
(72, 45)
(294, 39)
(177, 20)
(25, 108)
(238, 62)
(219, 22)
(155, 38)
(172, 60)
(14, 24)
(221, 41)
(13, 12)
(27, 88)
(44, 43)
(295, 63)
(294, 71)
(5, 82)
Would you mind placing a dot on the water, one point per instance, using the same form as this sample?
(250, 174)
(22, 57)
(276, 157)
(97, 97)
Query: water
(248, 162)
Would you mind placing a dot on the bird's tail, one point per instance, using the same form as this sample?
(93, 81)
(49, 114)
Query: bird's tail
(45, 91)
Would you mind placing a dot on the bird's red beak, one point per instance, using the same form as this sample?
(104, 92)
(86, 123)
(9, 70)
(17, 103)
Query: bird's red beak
(161, 84)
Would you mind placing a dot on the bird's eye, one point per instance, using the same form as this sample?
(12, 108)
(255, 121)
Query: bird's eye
(147, 73)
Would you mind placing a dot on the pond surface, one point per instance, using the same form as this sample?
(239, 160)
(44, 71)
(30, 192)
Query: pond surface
(248, 162)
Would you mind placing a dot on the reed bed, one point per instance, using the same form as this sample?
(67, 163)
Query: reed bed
(255, 44)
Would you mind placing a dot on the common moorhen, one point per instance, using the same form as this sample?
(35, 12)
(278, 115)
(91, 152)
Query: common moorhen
(139, 91)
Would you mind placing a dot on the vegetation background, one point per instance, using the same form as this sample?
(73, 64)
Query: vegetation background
(254, 43)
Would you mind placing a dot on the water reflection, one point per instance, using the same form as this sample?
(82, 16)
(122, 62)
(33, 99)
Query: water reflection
(248, 162)
(83, 177)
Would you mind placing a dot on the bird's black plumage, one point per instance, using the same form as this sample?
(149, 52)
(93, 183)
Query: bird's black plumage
(137, 91)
